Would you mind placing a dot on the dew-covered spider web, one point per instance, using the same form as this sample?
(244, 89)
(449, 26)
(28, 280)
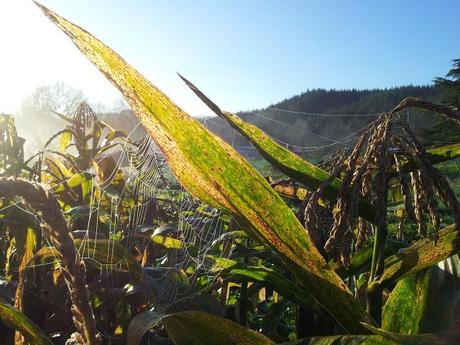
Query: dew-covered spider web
(138, 205)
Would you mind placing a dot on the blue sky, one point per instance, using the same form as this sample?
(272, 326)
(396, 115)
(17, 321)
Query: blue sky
(244, 54)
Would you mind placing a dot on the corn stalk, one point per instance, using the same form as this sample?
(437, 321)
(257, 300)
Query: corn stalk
(73, 269)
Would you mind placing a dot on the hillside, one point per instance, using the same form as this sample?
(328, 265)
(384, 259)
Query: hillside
(302, 121)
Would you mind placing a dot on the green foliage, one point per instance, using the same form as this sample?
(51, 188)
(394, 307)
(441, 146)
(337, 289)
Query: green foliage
(272, 276)
(11, 147)
(450, 85)
(425, 302)
(193, 327)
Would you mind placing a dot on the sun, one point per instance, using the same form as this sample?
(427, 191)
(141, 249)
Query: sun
(34, 53)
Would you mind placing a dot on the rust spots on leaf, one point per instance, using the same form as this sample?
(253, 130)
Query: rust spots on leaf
(213, 171)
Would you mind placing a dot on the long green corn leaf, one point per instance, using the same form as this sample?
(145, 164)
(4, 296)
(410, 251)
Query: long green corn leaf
(422, 254)
(424, 302)
(195, 328)
(214, 172)
(282, 158)
(418, 339)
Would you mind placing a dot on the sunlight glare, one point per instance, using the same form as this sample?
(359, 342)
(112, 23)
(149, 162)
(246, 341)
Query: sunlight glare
(35, 53)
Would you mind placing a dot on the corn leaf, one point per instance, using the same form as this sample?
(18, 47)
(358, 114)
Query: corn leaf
(442, 153)
(231, 269)
(109, 252)
(18, 321)
(214, 172)
(195, 328)
(425, 302)
(74, 181)
(422, 254)
(344, 340)
(29, 248)
(96, 253)
(167, 242)
(418, 339)
(290, 191)
(64, 141)
(282, 158)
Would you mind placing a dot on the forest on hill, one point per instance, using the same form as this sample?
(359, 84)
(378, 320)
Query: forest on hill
(305, 122)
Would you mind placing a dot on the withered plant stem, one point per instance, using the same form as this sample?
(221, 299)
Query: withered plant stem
(73, 268)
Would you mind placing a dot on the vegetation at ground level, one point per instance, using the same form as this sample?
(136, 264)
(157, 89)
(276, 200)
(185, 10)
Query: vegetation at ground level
(360, 247)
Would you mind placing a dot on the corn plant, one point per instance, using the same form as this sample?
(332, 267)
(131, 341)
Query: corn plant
(316, 244)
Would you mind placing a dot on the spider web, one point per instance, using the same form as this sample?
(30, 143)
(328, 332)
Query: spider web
(175, 274)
